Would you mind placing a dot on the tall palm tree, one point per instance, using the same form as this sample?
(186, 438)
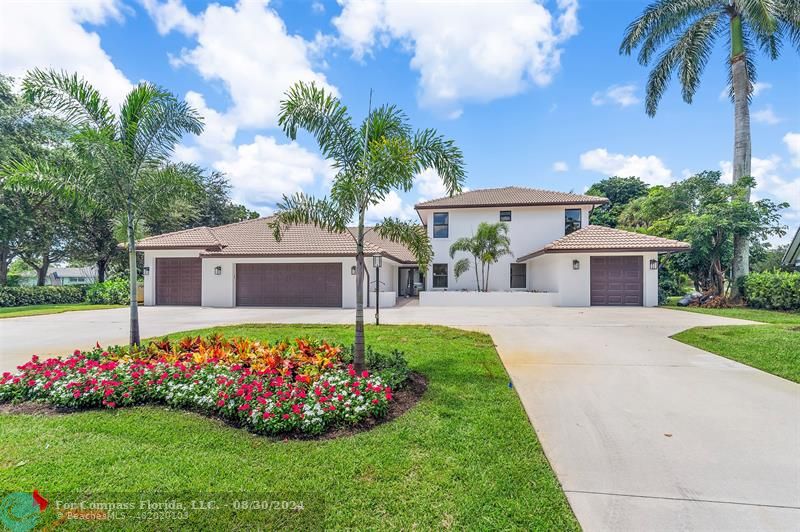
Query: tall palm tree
(126, 156)
(487, 245)
(381, 155)
(687, 31)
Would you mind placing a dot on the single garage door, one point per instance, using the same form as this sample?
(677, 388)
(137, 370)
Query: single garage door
(616, 280)
(179, 281)
(289, 285)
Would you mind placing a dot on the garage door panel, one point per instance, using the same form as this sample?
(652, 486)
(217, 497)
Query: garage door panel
(179, 281)
(616, 280)
(289, 285)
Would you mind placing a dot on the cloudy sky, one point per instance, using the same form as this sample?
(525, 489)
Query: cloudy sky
(534, 93)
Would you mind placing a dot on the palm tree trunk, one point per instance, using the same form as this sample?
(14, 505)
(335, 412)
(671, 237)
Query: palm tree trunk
(477, 274)
(741, 147)
(358, 348)
(101, 270)
(488, 269)
(132, 278)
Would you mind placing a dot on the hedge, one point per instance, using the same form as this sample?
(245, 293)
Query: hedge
(18, 296)
(114, 292)
(773, 290)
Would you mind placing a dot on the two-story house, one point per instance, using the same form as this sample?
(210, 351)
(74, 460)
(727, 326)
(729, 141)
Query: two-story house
(557, 259)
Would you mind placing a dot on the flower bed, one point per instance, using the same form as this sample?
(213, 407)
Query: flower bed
(269, 388)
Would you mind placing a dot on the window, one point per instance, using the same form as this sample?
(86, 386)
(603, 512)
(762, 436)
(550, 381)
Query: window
(572, 220)
(440, 275)
(518, 279)
(441, 225)
(505, 216)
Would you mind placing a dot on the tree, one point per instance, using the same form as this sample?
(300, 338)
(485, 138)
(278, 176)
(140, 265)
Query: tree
(92, 238)
(381, 155)
(687, 31)
(130, 151)
(620, 191)
(707, 214)
(486, 245)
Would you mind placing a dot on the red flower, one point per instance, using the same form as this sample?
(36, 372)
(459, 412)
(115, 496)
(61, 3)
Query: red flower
(365, 374)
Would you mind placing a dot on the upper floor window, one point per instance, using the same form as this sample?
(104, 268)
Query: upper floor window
(505, 216)
(440, 275)
(518, 273)
(572, 220)
(441, 225)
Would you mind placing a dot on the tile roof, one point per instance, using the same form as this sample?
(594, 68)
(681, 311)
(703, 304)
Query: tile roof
(393, 249)
(510, 197)
(600, 238)
(255, 238)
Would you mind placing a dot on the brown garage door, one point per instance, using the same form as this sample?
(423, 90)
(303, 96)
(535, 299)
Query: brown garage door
(178, 281)
(616, 280)
(289, 285)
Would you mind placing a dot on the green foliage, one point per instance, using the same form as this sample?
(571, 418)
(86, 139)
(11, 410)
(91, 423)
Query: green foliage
(686, 31)
(775, 290)
(112, 292)
(620, 191)
(19, 296)
(392, 367)
(705, 213)
(486, 246)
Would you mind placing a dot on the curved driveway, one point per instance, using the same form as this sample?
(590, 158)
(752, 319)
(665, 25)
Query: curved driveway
(645, 433)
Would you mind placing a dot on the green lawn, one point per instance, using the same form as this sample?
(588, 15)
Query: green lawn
(36, 310)
(772, 347)
(464, 457)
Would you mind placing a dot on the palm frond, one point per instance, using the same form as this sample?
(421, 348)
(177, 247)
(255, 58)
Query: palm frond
(160, 188)
(72, 97)
(697, 46)
(302, 209)
(665, 28)
(660, 19)
(312, 108)
(434, 151)
(790, 20)
(465, 244)
(44, 178)
(412, 235)
(461, 267)
(392, 165)
(152, 122)
(760, 15)
(385, 121)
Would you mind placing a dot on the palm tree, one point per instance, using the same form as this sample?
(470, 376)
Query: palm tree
(125, 157)
(381, 155)
(487, 245)
(687, 31)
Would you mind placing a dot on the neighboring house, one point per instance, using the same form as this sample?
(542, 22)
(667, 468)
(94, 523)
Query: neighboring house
(792, 256)
(66, 276)
(558, 259)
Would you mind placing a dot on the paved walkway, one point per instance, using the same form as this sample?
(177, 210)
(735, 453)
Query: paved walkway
(644, 432)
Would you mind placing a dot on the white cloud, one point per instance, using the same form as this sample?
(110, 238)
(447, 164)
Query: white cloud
(476, 51)
(647, 167)
(392, 206)
(248, 48)
(429, 185)
(621, 95)
(263, 171)
(792, 141)
(560, 166)
(758, 88)
(766, 116)
(52, 35)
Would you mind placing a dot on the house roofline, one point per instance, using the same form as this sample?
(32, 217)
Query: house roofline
(593, 203)
(640, 249)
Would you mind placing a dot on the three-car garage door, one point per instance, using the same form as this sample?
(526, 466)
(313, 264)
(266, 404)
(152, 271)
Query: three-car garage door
(178, 281)
(289, 285)
(616, 280)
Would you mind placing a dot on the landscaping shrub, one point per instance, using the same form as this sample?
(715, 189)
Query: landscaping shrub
(112, 292)
(18, 296)
(776, 290)
(392, 367)
(268, 388)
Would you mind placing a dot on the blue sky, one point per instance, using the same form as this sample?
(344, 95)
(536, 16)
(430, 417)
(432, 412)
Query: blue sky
(534, 93)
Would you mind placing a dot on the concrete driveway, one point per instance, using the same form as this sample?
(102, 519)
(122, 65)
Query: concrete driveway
(644, 432)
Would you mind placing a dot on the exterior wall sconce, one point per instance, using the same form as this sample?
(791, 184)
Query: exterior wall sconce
(217, 270)
(576, 264)
(377, 261)
(653, 264)
(146, 270)
(352, 270)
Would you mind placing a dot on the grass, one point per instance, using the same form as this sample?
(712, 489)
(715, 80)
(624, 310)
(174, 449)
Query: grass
(464, 457)
(36, 310)
(771, 347)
